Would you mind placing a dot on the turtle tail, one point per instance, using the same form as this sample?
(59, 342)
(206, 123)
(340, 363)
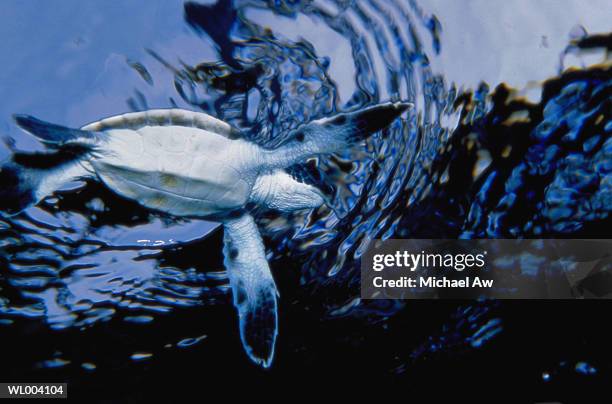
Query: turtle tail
(26, 178)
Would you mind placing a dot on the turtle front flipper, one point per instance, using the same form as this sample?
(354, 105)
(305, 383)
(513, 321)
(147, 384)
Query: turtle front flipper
(331, 135)
(253, 288)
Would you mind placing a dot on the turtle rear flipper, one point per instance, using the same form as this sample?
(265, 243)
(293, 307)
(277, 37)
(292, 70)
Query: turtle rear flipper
(253, 288)
(27, 178)
(56, 136)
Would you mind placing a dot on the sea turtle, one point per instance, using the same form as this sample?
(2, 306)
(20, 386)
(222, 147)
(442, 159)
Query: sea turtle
(191, 164)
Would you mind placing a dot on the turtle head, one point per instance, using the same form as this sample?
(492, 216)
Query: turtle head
(329, 135)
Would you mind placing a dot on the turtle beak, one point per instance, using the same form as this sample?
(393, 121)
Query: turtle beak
(361, 124)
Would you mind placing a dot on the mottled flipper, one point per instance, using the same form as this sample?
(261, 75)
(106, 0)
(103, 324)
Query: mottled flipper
(253, 288)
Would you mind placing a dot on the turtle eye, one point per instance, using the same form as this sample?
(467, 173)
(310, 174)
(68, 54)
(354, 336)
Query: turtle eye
(300, 136)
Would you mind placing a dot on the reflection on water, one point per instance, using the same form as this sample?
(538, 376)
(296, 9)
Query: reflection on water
(468, 164)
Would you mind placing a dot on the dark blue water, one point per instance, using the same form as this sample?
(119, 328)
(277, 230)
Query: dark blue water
(93, 286)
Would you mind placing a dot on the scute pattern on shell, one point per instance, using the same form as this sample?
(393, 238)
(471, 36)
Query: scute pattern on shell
(184, 171)
(165, 117)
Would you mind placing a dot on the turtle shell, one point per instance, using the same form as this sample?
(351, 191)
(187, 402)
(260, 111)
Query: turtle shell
(181, 162)
(165, 117)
